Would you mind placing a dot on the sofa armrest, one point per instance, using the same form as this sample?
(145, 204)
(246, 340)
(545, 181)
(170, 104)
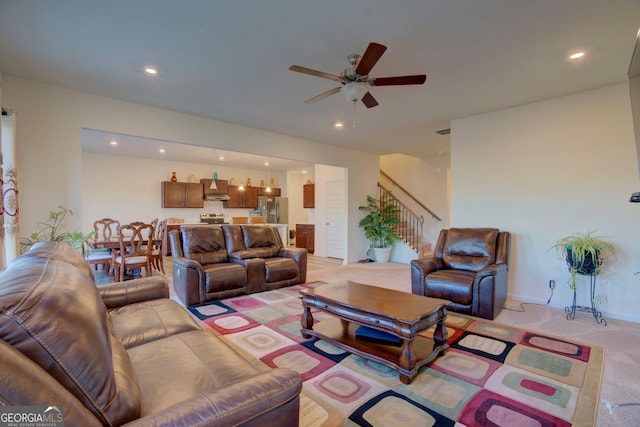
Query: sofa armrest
(419, 270)
(188, 280)
(256, 401)
(119, 294)
(255, 273)
(299, 255)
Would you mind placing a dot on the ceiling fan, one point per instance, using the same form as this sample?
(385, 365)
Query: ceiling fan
(355, 80)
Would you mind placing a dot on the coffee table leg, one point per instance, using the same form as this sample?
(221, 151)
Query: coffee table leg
(440, 335)
(407, 360)
(306, 321)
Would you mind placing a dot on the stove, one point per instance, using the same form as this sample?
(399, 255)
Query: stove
(212, 218)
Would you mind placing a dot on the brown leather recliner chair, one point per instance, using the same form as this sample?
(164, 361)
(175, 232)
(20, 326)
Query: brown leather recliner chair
(469, 268)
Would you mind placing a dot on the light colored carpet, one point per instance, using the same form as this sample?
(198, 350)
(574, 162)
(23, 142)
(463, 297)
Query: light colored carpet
(620, 339)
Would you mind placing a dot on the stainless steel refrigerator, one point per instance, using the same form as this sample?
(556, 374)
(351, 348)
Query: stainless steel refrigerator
(276, 209)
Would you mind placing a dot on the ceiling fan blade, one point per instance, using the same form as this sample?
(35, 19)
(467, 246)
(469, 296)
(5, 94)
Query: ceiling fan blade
(322, 95)
(316, 73)
(369, 100)
(370, 58)
(398, 80)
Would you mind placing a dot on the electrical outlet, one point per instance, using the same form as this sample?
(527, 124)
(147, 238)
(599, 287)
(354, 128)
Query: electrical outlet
(552, 284)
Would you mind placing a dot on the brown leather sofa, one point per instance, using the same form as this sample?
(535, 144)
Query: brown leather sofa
(212, 262)
(469, 268)
(124, 353)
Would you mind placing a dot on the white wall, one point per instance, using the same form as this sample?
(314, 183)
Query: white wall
(546, 170)
(49, 149)
(136, 193)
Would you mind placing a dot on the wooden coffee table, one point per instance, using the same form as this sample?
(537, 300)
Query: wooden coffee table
(399, 314)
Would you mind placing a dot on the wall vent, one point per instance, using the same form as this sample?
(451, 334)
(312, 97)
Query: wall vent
(444, 131)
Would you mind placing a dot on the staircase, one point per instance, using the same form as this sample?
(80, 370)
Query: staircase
(411, 225)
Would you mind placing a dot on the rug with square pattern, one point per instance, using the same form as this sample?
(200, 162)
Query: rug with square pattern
(491, 375)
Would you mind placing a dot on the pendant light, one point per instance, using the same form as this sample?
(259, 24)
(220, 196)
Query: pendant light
(213, 185)
(241, 187)
(268, 189)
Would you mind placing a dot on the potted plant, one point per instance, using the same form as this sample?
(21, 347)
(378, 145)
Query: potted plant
(379, 225)
(51, 230)
(585, 254)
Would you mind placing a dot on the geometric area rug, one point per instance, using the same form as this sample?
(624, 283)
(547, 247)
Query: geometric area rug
(491, 375)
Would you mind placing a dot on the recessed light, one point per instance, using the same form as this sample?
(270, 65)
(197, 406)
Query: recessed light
(152, 71)
(338, 125)
(161, 150)
(266, 163)
(113, 143)
(221, 158)
(576, 55)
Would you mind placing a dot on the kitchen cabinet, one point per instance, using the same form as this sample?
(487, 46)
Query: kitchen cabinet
(247, 198)
(275, 192)
(222, 185)
(182, 195)
(309, 196)
(305, 237)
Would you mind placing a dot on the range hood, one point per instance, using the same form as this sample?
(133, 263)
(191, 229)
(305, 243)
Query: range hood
(216, 197)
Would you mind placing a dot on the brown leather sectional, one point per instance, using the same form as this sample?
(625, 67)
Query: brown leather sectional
(124, 353)
(212, 262)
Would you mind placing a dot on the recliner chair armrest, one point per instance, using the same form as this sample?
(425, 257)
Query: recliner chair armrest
(119, 294)
(233, 405)
(491, 270)
(419, 270)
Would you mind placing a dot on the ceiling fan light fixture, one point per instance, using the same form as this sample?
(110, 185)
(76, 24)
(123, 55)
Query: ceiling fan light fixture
(354, 91)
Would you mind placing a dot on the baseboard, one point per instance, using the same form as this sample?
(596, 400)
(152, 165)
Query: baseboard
(605, 314)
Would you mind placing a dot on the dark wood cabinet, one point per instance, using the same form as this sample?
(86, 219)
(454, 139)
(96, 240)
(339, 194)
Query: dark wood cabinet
(309, 196)
(222, 185)
(275, 192)
(247, 198)
(305, 237)
(182, 195)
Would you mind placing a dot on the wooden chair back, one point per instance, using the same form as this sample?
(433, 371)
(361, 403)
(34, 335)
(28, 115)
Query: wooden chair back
(106, 230)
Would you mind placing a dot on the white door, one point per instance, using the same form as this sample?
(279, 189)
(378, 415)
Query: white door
(335, 219)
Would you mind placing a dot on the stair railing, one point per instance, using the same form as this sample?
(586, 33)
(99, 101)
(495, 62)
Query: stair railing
(411, 196)
(410, 226)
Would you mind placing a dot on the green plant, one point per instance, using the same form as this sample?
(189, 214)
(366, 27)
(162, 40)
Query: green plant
(51, 230)
(380, 221)
(584, 253)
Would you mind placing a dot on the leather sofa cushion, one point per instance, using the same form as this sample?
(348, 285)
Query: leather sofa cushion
(43, 303)
(139, 323)
(204, 244)
(205, 363)
(278, 269)
(470, 248)
(453, 285)
(63, 252)
(222, 277)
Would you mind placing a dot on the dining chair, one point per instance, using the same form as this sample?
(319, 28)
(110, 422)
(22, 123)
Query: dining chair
(105, 232)
(136, 245)
(157, 260)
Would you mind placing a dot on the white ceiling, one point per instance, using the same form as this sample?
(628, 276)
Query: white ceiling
(229, 60)
(97, 141)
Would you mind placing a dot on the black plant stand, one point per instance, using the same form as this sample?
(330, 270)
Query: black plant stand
(571, 311)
